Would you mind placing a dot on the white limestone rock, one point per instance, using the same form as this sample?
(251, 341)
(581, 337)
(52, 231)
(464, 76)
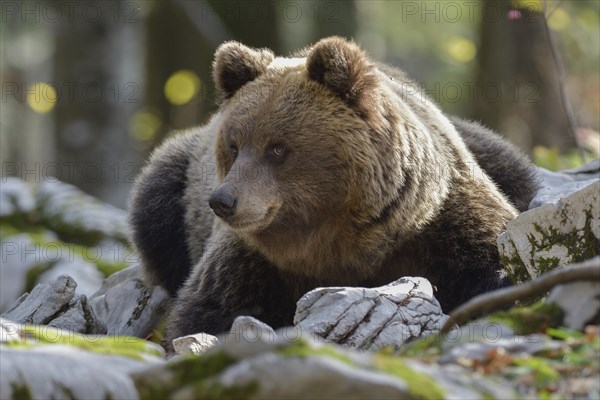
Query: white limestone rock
(41, 362)
(306, 369)
(552, 235)
(476, 340)
(16, 197)
(86, 274)
(557, 185)
(369, 319)
(127, 306)
(196, 345)
(66, 209)
(580, 301)
(20, 254)
(56, 304)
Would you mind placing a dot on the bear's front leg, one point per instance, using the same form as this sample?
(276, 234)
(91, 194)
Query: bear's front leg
(230, 280)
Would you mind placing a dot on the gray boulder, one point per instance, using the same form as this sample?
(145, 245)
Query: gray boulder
(66, 209)
(304, 369)
(476, 340)
(127, 306)
(369, 319)
(56, 304)
(580, 301)
(196, 345)
(558, 233)
(85, 273)
(45, 363)
(16, 198)
(21, 253)
(557, 185)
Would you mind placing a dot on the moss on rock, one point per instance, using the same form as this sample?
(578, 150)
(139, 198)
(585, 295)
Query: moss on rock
(301, 348)
(191, 377)
(513, 265)
(420, 385)
(532, 319)
(37, 335)
(20, 391)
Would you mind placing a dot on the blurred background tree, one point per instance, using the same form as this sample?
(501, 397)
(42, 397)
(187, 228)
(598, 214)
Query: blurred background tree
(89, 88)
(93, 64)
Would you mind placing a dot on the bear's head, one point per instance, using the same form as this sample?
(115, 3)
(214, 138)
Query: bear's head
(303, 143)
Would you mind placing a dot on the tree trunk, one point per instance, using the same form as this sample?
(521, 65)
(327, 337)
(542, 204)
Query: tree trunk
(98, 71)
(518, 92)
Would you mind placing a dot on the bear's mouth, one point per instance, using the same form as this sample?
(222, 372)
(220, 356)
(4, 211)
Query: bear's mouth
(257, 224)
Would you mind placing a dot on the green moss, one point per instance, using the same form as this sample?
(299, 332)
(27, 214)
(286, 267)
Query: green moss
(66, 392)
(427, 347)
(107, 268)
(564, 333)
(20, 391)
(192, 377)
(39, 236)
(420, 386)
(580, 245)
(18, 344)
(192, 369)
(303, 349)
(73, 232)
(533, 319)
(116, 345)
(211, 389)
(7, 229)
(514, 266)
(543, 264)
(19, 223)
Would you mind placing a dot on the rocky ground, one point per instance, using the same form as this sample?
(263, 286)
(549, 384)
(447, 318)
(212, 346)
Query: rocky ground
(77, 321)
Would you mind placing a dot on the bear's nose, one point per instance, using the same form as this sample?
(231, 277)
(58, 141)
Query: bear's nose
(223, 204)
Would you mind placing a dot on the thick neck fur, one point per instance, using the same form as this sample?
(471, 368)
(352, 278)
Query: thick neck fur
(327, 253)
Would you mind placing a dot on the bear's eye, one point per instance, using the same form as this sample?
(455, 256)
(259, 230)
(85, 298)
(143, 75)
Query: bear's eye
(276, 154)
(278, 150)
(234, 150)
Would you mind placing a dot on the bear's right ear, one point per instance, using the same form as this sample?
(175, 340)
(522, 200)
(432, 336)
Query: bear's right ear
(345, 69)
(236, 64)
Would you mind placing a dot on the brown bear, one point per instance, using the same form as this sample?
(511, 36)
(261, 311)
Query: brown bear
(323, 169)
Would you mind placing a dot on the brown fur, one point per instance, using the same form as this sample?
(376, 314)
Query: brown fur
(373, 183)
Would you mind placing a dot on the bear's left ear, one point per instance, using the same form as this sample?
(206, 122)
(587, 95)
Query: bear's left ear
(345, 69)
(236, 64)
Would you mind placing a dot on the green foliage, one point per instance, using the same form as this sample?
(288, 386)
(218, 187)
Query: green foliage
(570, 357)
(551, 159)
(540, 368)
(549, 371)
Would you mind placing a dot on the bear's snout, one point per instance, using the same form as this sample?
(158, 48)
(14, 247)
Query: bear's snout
(222, 203)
